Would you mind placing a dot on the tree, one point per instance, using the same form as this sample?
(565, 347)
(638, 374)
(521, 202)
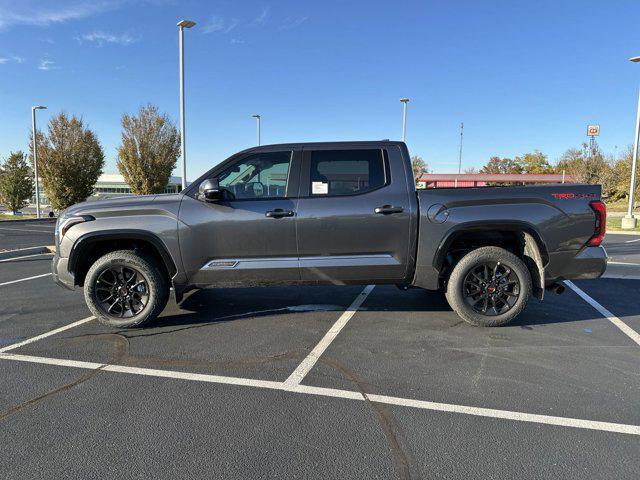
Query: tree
(149, 150)
(419, 167)
(622, 176)
(70, 160)
(535, 162)
(16, 182)
(502, 165)
(588, 166)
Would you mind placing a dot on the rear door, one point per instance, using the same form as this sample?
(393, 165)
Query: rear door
(354, 215)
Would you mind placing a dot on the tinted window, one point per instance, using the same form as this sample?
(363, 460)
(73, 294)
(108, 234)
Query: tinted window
(263, 175)
(346, 172)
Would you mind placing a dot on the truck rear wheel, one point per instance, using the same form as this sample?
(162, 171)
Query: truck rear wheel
(489, 287)
(126, 289)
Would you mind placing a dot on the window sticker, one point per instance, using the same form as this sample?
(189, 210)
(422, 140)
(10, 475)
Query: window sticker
(319, 188)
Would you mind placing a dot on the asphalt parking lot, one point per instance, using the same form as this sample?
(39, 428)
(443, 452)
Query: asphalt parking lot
(318, 382)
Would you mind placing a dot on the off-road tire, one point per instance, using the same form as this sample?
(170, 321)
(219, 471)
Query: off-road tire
(455, 290)
(156, 287)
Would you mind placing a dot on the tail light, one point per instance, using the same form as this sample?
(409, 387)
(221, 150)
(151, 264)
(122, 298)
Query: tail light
(600, 209)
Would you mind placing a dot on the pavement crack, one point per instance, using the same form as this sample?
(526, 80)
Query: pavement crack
(402, 458)
(121, 346)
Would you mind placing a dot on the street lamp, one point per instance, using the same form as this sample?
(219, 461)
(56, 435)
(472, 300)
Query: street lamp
(257, 117)
(404, 117)
(630, 221)
(35, 154)
(182, 24)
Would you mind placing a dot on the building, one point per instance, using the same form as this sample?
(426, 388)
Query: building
(111, 185)
(459, 180)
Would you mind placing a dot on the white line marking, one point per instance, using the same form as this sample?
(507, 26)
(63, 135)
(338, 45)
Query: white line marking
(624, 263)
(626, 329)
(633, 241)
(307, 364)
(335, 393)
(24, 279)
(24, 256)
(22, 249)
(45, 335)
(28, 230)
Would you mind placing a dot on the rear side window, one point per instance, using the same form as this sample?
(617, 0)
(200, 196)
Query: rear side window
(346, 172)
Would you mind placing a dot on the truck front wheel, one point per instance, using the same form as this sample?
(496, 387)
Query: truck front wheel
(489, 287)
(126, 289)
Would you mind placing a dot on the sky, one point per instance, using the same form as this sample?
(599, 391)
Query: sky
(521, 75)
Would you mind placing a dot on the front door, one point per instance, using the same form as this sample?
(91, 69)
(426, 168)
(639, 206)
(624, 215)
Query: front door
(354, 217)
(249, 237)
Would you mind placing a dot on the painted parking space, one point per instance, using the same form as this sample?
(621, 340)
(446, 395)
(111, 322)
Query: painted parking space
(560, 358)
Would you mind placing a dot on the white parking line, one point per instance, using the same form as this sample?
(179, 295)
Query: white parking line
(633, 241)
(25, 256)
(626, 329)
(48, 232)
(45, 335)
(25, 279)
(307, 364)
(624, 263)
(335, 393)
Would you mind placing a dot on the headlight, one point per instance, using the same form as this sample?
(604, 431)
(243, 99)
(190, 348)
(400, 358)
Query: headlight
(65, 222)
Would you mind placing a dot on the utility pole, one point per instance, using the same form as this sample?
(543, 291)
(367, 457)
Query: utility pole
(460, 154)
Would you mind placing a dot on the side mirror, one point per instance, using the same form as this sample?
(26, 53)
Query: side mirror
(209, 190)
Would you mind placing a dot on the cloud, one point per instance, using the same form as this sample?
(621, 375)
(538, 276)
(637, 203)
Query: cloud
(11, 59)
(291, 23)
(236, 41)
(262, 18)
(45, 13)
(47, 65)
(218, 24)
(101, 38)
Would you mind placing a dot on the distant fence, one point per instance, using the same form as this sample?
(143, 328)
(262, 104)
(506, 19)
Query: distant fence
(459, 180)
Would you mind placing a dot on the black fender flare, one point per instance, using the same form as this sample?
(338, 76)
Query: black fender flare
(534, 246)
(86, 240)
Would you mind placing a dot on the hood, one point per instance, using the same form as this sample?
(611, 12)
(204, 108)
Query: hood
(133, 202)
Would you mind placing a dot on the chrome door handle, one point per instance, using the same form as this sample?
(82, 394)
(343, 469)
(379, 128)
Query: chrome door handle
(388, 210)
(279, 213)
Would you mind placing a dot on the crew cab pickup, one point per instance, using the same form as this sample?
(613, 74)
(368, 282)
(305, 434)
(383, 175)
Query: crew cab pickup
(330, 214)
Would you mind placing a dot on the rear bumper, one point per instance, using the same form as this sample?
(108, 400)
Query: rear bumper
(591, 262)
(61, 274)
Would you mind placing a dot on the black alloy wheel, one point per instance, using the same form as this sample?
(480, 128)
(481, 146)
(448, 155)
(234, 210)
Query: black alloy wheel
(122, 291)
(491, 288)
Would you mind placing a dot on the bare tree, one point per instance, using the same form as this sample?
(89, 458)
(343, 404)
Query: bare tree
(70, 160)
(16, 182)
(419, 167)
(149, 150)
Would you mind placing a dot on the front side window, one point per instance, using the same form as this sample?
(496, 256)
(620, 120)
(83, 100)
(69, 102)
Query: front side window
(262, 175)
(346, 172)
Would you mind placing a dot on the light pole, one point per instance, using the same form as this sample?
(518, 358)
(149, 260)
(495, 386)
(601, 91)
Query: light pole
(404, 117)
(630, 221)
(182, 24)
(257, 117)
(35, 154)
(460, 155)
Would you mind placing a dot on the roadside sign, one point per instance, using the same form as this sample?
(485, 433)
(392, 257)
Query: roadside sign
(593, 130)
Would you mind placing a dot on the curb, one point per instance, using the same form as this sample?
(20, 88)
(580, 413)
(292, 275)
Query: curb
(21, 252)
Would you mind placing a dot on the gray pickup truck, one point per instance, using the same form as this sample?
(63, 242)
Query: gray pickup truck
(330, 214)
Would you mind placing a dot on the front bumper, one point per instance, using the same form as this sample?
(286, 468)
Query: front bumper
(591, 262)
(60, 271)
